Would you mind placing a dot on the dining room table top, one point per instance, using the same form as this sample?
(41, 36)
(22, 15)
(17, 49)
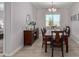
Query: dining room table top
(48, 32)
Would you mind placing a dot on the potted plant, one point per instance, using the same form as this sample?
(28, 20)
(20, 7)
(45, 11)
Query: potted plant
(32, 23)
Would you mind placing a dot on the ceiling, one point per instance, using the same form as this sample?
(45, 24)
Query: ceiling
(55, 4)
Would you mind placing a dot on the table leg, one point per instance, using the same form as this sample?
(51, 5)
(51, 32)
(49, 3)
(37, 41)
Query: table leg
(67, 46)
(66, 42)
(45, 45)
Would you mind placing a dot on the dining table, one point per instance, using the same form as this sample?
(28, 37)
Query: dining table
(48, 34)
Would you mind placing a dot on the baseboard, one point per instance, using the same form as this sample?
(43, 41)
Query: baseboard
(11, 54)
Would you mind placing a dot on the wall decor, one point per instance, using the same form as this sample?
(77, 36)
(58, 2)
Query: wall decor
(74, 18)
(78, 17)
(27, 17)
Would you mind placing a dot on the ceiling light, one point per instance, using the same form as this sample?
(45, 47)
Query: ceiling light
(52, 9)
(49, 10)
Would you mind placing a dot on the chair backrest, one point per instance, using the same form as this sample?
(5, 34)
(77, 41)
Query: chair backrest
(59, 36)
(68, 30)
(42, 32)
(44, 29)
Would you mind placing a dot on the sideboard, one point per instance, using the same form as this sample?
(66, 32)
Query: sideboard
(30, 36)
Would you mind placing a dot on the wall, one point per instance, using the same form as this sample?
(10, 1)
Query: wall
(7, 24)
(1, 14)
(75, 8)
(75, 11)
(15, 24)
(74, 24)
(34, 13)
(19, 12)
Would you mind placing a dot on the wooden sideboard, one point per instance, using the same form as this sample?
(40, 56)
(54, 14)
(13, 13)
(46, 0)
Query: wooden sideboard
(30, 36)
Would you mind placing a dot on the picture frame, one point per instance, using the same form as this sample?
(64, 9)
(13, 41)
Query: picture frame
(27, 17)
(78, 17)
(74, 17)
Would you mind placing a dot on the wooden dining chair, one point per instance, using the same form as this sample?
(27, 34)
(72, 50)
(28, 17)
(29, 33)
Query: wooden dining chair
(67, 35)
(44, 37)
(44, 29)
(67, 31)
(57, 41)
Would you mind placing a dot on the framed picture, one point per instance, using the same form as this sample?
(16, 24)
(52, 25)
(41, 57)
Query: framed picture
(27, 17)
(78, 17)
(74, 18)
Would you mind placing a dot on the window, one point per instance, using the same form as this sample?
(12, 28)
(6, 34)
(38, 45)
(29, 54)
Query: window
(52, 20)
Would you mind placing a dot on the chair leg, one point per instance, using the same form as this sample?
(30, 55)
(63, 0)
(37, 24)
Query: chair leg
(62, 51)
(67, 48)
(52, 47)
(52, 52)
(45, 46)
(42, 44)
(66, 43)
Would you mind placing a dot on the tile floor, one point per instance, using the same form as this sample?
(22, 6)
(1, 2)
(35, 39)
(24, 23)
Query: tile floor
(37, 51)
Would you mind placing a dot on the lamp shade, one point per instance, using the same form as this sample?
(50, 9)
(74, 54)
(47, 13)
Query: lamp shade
(49, 10)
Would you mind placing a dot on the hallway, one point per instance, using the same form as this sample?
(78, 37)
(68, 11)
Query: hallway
(37, 51)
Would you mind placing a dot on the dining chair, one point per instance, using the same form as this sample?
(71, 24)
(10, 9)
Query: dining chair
(67, 31)
(57, 41)
(66, 37)
(44, 29)
(45, 37)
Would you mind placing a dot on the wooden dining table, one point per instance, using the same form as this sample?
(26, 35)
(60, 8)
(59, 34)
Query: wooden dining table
(48, 34)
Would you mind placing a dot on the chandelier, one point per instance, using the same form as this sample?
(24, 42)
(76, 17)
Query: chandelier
(52, 9)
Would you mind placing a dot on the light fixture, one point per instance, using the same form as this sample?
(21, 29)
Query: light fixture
(52, 9)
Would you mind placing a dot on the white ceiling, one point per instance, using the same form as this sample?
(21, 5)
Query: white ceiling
(55, 4)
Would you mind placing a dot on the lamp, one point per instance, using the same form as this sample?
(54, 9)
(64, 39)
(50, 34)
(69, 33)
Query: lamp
(52, 9)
